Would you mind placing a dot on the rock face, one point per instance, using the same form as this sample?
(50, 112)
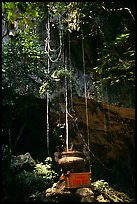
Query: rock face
(111, 139)
(24, 161)
(86, 195)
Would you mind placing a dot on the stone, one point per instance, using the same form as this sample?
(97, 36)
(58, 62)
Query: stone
(23, 161)
(100, 198)
(86, 195)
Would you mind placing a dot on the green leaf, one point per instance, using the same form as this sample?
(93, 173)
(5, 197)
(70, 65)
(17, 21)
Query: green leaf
(124, 35)
(99, 70)
(10, 5)
(9, 15)
(30, 23)
(21, 24)
(36, 13)
(131, 79)
(43, 88)
(14, 17)
(3, 7)
(117, 38)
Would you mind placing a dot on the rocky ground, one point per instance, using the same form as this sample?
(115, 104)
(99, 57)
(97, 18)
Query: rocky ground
(100, 191)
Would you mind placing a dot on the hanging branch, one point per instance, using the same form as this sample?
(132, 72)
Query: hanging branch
(85, 90)
(66, 103)
(47, 44)
(102, 90)
(71, 94)
(50, 59)
(120, 9)
(48, 64)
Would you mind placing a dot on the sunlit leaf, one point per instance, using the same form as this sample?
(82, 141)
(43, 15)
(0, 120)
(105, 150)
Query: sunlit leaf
(3, 7)
(117, 38)
(10, 5)
(9, 15)
(21, 23)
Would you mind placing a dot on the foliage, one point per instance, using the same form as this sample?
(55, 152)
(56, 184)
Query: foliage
(25, 182)
(91, 18)
(103, 188)
(58, 132)
(74, 15)
(116, 60)
(42, 176)
(23, 12)
(69, 13)
(23, 63)
(53, 78)
(87, 18)
(40, 179)
(45, 170)
(30, 182)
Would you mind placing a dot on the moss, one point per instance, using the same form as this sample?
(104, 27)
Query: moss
(101, 187)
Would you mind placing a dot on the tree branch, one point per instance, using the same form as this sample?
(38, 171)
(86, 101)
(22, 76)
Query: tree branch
(120, 9)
